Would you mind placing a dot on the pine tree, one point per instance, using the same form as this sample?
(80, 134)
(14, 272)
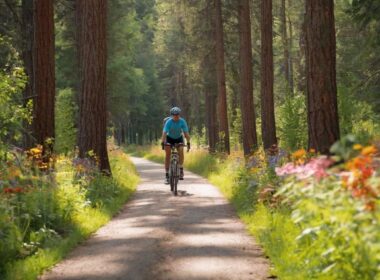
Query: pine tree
(91, 15)
(268, 124)
(321, 75)
(44, 71)
(246, 79)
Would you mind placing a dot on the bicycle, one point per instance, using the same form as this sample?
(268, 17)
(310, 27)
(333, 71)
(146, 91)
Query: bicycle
(174, 168)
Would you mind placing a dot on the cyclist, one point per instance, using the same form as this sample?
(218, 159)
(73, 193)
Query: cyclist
(174, 129)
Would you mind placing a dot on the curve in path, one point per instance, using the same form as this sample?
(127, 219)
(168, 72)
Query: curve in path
(195, 235)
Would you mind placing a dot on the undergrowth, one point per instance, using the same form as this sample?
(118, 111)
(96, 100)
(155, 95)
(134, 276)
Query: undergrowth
(77, 209)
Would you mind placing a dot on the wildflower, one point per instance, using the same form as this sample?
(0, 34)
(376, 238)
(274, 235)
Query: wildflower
(254, 170)
(357, 147)
(358, 192)
(8, 190)
(299, 154)
(312, 151)
(370, 206)
(359, 163)
(369, 151)
(367, 173)
(36, 151)
(18, 190)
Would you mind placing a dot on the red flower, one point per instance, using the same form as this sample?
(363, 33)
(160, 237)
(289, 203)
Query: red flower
(8, 190)
(18, 190)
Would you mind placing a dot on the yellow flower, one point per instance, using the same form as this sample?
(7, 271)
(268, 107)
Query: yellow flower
(369, 150)
(299, 154)
(312, 151)
(35, 151)
(254, 170)
(357, 147)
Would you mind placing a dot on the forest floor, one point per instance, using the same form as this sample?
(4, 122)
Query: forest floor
(196, 235)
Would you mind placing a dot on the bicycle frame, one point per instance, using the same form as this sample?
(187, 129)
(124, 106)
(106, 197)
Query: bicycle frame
(174, 168)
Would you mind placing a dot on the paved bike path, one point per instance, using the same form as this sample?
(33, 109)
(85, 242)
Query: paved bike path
(195, 235)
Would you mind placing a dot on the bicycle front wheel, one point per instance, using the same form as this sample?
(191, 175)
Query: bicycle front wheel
(175, 177)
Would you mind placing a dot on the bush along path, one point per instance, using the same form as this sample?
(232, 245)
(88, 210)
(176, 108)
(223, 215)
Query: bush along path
(45, 211)
(195, 235)
(316, 217)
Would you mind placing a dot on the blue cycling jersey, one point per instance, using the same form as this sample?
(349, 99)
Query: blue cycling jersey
(174, 129)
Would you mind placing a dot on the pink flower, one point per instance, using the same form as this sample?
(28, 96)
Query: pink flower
(316, 167)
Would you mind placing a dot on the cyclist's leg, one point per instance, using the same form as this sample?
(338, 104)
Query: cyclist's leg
(181, 161)
(181, 156)
(168, 152)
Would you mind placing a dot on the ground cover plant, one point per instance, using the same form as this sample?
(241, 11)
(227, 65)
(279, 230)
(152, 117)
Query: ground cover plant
(44, 212)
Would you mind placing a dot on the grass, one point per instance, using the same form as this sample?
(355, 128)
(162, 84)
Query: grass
(85, 221)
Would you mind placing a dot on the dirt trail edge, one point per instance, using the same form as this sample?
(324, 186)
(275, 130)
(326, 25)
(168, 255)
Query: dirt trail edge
(195, 235)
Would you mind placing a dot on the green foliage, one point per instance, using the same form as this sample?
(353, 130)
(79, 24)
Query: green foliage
(40, 224)
(237, 129)
(339, 236)
(65, 119)
(12, 113)
(358, 118)
(292, 123)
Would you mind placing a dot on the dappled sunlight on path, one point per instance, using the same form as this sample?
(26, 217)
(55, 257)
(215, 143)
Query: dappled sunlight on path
(195, 235)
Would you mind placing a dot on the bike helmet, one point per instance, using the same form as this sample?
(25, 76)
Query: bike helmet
(175, 111)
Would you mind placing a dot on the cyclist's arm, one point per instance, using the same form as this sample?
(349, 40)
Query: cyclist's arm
(187, 136)
(164, 134)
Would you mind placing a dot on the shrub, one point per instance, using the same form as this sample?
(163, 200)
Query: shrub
(12, 112)
(337, 211)
(357, 117)
(292, 123)
(65, 122)
(45, 212)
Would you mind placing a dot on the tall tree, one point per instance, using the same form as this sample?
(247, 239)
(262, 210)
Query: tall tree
(246, 82)
(221, 78)
(268, 124)
(321, 74)
(92, 37)
(286, 46)
(44, 71)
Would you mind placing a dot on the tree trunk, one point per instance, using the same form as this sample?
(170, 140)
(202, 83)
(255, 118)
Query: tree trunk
(285, 43)
(93, 59)
(211, 119)
(246, 82)
(221, 79)
(268, 124)
(44, 72)
(321, 75)
(290, 47)
(27, 30)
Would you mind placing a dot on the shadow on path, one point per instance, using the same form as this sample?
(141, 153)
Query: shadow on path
(195, 235)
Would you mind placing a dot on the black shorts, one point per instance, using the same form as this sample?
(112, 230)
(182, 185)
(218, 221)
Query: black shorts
(172, 141)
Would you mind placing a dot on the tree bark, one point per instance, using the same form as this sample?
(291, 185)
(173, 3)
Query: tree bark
(44, 71)
(221, 79)
(246, 80)
(286, 47)
(321, 75)
(92, 37)
(268, 123)
(27, 30)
